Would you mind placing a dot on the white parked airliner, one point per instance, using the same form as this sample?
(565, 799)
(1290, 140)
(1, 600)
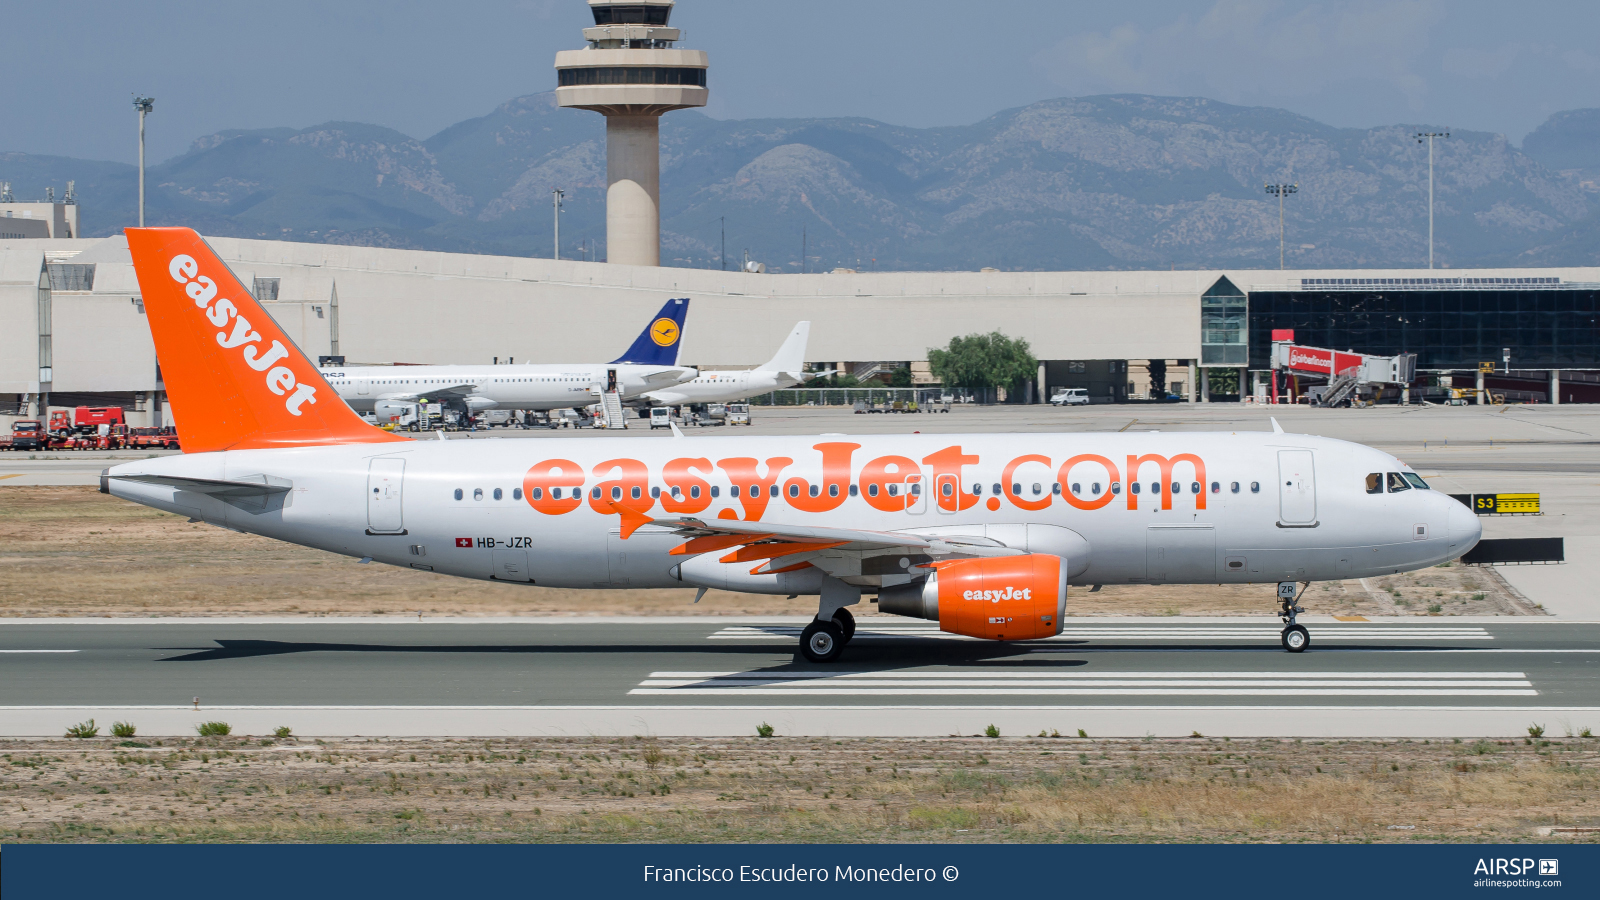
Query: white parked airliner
(651, 362)
(983, 532)
(785, 369)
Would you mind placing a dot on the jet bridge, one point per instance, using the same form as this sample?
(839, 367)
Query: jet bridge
(1346, 370)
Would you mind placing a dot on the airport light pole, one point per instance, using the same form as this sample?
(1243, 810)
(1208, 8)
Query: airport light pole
(555, 201)
(144, 105)
(1429, 136)
(1282, 190)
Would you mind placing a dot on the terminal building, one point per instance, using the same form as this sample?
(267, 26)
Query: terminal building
(73, 332)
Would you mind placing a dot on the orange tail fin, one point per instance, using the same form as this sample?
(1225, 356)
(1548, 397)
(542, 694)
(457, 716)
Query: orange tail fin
(234, 379)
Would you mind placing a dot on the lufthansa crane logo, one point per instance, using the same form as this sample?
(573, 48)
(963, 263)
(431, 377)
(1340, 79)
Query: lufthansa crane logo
(664, 332)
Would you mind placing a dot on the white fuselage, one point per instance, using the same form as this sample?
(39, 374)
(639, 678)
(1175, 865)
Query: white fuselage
(722, 387)
(499, 387)
(464, 508)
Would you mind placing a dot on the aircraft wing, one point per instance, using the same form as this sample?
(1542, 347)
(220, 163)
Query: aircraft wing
(443, 392)
(837, 551)
(246, 486)
(669, 377)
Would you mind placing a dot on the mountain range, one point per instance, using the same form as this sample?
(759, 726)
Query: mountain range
(1107, 182)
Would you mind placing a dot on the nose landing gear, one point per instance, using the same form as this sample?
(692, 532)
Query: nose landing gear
(1295, 638)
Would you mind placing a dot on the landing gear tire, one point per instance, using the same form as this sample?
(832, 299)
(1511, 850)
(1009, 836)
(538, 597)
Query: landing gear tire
(822, 642)
(846, 623)
(1296, 639)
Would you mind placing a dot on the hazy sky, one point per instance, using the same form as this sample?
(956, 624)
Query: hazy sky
(420, 66)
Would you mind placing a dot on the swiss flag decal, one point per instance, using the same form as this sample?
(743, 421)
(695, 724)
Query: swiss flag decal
(463, 542)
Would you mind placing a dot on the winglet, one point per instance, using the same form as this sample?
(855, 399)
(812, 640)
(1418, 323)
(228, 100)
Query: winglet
(1276, 428)
(657, 344)
(234, 378)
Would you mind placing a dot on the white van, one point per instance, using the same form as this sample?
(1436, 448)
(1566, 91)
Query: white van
(660, 417)
(1071, 397)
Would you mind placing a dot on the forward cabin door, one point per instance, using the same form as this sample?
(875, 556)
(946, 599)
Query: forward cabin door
(1297, 489)
(385, 477)
(1181, 554)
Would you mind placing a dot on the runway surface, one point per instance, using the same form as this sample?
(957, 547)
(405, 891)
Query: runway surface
(1436, 677)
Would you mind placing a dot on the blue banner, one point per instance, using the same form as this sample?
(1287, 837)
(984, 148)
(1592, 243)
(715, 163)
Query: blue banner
(273, 872)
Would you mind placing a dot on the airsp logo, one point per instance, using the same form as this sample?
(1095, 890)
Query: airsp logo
(202, 290)
(664, 331)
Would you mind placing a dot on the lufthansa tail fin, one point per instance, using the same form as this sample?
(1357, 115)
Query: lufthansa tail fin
(234, 378)
(657, 344)
(791, 357)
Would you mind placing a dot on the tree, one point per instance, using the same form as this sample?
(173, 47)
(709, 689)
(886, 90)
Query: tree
(1158, 379)
(900, 377)
(984, 361)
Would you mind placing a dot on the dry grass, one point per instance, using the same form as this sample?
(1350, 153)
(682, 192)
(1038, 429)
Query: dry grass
(72, 551)
(793, 789)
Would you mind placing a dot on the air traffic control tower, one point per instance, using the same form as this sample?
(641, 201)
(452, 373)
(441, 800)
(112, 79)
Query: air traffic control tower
(631, 73)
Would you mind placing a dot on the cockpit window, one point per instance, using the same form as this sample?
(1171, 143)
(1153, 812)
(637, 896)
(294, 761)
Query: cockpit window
(1398, 483)
(1375, 483)
(1416, 480)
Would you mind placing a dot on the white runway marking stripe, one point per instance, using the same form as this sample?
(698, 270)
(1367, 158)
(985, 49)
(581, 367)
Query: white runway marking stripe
(38, 651)
(959, 683)
(1179, 632)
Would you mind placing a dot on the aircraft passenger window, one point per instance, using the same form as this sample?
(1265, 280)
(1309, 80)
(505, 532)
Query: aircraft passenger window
(694, 492)
(537, 493)
(717, 491)
(677, 492)
(816, 490)
(916, 489)
(497, 494)
(946, 489)
(1375, 483)
(516, 493)
(997, 491)
(1216, 487)
(1234, 486)
(1176, 489)
(772, 491)
(1016, 489)
(1155, 487)
(555, 494)
(635, 492)
(1093, 489)
(655, 493)
(477, 493)
(854, 490)
(1037, 489)
(977, 490)
(872, 490)
(1416, 480)
(794, 490)
(616, 493)
(1194, 487)
(1133, 486)
(733, 491)
(1116, 487)
(595, 494)
(458, 493)
(894, 490)
(1397, 483)
(1255, 487)
(1077, 488)
(1056, 489)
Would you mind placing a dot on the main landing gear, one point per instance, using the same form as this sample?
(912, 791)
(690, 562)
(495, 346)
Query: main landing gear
(823, 641)
(1295, 637)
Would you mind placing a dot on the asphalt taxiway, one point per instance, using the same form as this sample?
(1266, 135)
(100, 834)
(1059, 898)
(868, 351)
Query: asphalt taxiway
(1435, 677)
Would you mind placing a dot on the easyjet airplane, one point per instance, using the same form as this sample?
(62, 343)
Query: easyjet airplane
(983, 533)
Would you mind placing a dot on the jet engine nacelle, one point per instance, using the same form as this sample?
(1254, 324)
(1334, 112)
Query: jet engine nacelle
(386, 410)
(479, 404)
(1005, 598)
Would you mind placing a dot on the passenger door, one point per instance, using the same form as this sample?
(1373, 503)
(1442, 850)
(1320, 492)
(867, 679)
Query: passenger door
(1181, 554)
(1297, 489)
(385, 478)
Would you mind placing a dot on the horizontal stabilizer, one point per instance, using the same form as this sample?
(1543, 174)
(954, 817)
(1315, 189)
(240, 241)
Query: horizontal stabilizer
(245, 486)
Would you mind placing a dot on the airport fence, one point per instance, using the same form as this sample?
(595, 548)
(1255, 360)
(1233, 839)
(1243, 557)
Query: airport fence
(873, 397)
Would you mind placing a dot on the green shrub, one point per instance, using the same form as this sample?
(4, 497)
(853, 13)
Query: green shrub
(282, 731)
(991, 731)
(122, 729)
(764, 730)
(1536, 731)
(83, 730)
(1435, 608)
(213, 729)
(1586, 733)
(1082, 733)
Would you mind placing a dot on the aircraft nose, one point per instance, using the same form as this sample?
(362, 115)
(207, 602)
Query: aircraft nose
(1465, 528)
